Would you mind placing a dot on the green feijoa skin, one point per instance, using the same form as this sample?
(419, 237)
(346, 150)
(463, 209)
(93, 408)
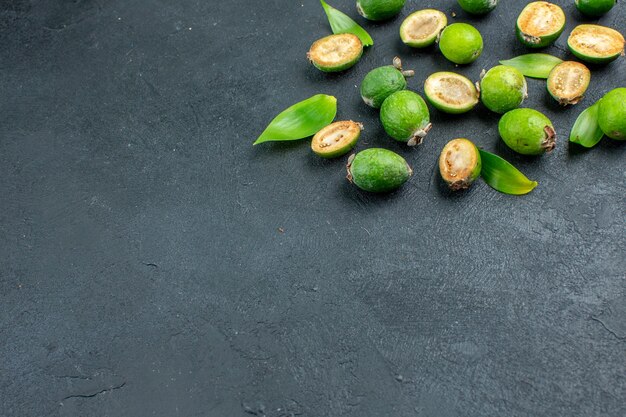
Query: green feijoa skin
(478, 7)
(596, 44)
(336, 53)
(459, 164)
(568, 82)
(612, 114)
(502, 89)
(540, 24)
(451, 92)
(421, 29)
(461, 43)
(379, 9)
(382, 82)
(405, 117)
(527, 131)
(594, 8)
(378, 170)
(336, 139)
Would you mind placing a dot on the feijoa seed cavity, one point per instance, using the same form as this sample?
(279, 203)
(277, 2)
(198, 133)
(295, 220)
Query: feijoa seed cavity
(336, 53)
(451, 92)
(336, 139)
(568, 82)
(540, 24)
(421, 29)
(459, 164)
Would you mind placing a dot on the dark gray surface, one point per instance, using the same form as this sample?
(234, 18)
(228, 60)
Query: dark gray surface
(143, 272)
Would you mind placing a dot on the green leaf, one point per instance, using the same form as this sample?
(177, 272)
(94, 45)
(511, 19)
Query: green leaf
(301, 120)
(504, 177)
(342, 23)
(533, 65)
(586, 131)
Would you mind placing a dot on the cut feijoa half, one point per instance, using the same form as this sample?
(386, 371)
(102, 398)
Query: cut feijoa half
(405, 117)
(336, 139)
(421, 29)
(568, 82)
(540, 24)
(382, 82)
(451, 92)
(336, 52)
(459, 164)
(596, 44)
(378, 170)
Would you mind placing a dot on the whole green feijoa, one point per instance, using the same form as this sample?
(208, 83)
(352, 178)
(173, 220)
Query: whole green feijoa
(540, 24)
(478, 7)
(336, 53)
(594, 8)
(405, 117)
(503, 88)
(596, 44)
(382, 82)
(421, 29)
(612, 114)
(379, 9)
(459, 164)
(378, 170)
(527, 131)
(461, 43)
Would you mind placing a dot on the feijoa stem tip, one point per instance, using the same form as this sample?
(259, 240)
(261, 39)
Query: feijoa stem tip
(397, 63)
(549, 143)
(418, 136)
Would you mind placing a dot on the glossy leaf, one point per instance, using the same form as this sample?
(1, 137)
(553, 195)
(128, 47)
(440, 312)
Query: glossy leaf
(342, 23)
(301, 120)
(504, 177)
(586, 131)
(533, 65)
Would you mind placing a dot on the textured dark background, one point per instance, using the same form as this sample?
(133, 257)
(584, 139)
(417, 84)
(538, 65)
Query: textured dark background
(154, 263)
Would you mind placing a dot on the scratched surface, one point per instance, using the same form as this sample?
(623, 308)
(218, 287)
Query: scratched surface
(154, 263)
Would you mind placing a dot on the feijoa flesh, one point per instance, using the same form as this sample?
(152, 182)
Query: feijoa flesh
(527, 131)
(460, 164)
(336, 53)
(461, 43)
(379, 9)
(421, 29)
(378, 170)
(382, 82)
(596, 44)
(594, 8)
(405, 117)
(478, 7)
(451, 92)
(540, 24)
(336, 139)
(503, 88)
(612, 114)
(568, 82)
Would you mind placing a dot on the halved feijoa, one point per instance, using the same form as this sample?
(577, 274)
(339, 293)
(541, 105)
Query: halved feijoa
(336, 52)
(596, 44)
(568, 82)
(503, 88)
(594, 8)
(336, 139)
(612, 114)
(420, 29)
(527, 131)
(382, 82)
(405, 117)
(478, 6)
(450, 92)
(378, 170)
(461, 43)
(379, 9)
(459, 163)
(540, 23)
